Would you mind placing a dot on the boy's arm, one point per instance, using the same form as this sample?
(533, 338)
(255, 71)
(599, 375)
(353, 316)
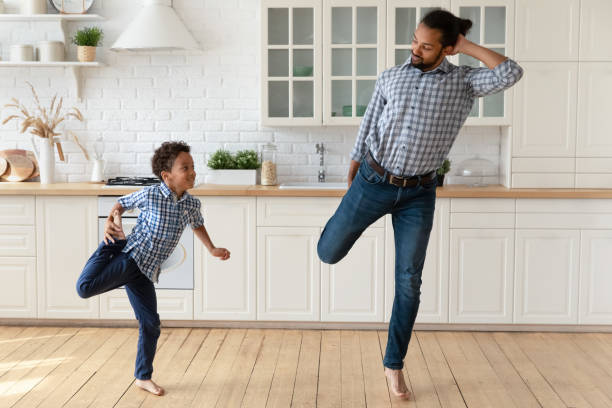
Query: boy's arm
(110, 228)
(202, 235)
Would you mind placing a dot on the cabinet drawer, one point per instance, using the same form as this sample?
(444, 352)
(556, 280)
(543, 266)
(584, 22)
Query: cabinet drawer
(17, 210)
(485, 220)
(171, 305)
(18, 289)
(482, 205)
(17, 240)
(298, 212)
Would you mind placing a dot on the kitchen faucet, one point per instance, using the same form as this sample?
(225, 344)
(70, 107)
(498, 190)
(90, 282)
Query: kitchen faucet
(321, 152)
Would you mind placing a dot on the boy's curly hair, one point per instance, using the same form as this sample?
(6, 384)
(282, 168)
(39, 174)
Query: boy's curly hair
(164, 156)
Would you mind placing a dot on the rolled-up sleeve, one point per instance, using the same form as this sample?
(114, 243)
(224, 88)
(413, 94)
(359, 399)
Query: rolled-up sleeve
(485, 81)
(370, 120)
(134, 200)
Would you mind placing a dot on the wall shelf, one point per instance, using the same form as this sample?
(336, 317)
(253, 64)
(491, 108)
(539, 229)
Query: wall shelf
(50, 17)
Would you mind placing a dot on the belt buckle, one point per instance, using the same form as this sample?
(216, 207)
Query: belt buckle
(401, 182)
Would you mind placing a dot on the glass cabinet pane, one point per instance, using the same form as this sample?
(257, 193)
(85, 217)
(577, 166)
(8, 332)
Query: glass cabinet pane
(495, 25)
(467, 60)
(493, 105)
(401, 56)
(303, 26)
(501, 51)
(475, 109)
(366, 25)
(278, 63)
(472, 13)
(405, 24)
(342, 62)
(342, 96)
(278, 26)
(366, 61)
(342, 25)
(302, 63)
(426, 10)
(364, 94)
(303, 99)
(278, 99)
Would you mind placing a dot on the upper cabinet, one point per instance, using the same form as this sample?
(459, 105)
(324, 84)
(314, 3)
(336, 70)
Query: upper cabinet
(291, 62)
(537, 39)
(492, 27)
(595, 30)
(353, 57)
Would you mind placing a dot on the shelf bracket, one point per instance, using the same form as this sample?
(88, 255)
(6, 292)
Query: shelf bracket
(75, 72)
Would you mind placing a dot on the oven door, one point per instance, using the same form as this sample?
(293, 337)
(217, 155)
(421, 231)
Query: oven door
(177, 270)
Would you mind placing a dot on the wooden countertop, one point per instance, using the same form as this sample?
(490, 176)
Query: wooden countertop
(454, 191)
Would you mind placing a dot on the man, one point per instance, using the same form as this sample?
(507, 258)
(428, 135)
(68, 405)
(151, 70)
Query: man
(412, 120)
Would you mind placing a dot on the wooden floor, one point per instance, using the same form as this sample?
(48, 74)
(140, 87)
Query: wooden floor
(93, 367)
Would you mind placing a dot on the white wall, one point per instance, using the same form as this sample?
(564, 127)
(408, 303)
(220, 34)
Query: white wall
(210, 100)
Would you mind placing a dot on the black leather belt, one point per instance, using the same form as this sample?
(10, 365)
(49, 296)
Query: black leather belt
(400, 181)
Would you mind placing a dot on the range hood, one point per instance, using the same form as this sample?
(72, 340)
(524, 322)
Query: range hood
(156, 28)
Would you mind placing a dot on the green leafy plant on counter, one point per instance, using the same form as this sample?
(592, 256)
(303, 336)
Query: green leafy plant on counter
(445, 168)
(243, 160)
(88, 37)
(247, 159)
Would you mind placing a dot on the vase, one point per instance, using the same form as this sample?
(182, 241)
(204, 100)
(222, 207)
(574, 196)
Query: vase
(86, 54)
(46, 159)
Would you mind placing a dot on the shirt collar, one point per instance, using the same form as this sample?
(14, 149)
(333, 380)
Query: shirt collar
(166, 192)
(444, 66)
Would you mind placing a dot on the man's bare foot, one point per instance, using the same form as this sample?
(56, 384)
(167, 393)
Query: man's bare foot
(118, 223)
(149, 385)
(397, 383)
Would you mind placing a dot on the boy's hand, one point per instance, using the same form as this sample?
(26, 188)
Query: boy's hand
(220, 253)
(111, 230)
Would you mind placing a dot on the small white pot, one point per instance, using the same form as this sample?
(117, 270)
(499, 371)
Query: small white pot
(49, 51)
(22, 52)
(33, 6)
(232, 177)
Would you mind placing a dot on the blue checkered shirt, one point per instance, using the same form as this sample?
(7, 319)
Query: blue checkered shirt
(160, 224)
(414, 117)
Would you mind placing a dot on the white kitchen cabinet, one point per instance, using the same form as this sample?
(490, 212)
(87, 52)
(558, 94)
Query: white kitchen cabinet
(18, 289)
(493, 27)
(66, 236)
(17, 210)
(434, 288)
(595, 277)
(403, 17)
(353, 56)
(595, 30)
(594, 107)
(291, 62)
(288, 273)
(538, 37)
(226, 290)
(171, 304)
(547, 276)
(353, 289)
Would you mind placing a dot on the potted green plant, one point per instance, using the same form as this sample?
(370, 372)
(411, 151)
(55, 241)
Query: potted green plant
(445, 168)
(237, 169)
(87, 39)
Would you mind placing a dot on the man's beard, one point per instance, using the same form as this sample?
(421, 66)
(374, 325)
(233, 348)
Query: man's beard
(422, 66)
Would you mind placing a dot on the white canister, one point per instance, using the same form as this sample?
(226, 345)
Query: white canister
(33, 6)
(22, 52)
(49, 51)
(1, 6)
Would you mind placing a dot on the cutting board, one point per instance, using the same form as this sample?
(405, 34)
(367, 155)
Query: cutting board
(19, 168)
(20, 152)
(3, 165)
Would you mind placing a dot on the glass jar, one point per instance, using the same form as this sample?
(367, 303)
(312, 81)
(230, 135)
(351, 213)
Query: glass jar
(268, 165)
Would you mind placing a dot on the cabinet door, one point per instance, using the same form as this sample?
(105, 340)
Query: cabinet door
(66, 236)
(288, 273)
(18, 289)
(545, 110)
(481, 275)
(595, 277)
(594, 107)
(353, 289)
(354, 55)
(493, 27)
(434, 289)
(403, 17)
(538, 37)
(226, 289)
(291, 62)
(595, 30)
(546, 276)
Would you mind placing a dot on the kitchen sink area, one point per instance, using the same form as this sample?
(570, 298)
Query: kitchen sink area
(313, 186)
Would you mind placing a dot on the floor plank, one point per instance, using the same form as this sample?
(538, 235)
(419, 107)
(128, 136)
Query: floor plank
(283, 381)
(395, 401)
(416, 371)
(330, 373)
(307, 376)
(256, 394)
(374, 381)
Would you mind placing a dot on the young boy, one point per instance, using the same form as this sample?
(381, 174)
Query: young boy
(134, 261)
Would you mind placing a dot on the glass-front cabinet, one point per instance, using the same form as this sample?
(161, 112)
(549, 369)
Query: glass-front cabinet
(403, 17)
(492, 27)
(353, 57)
(291, 63)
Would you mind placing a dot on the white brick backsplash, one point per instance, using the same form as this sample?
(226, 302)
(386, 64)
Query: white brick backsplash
(208, 98)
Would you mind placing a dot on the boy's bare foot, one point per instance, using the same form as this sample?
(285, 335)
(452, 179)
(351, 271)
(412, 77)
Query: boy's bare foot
(118, 223)
(149, 385)
(397, 383)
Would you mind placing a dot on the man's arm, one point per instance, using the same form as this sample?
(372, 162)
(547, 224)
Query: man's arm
(202, 235)
(354, 166)
(488, 57)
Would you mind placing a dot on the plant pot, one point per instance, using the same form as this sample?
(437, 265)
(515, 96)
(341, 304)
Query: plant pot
(86, 54)
(440, 178)
(232, 177)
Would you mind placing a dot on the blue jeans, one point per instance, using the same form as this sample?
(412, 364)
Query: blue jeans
(412, 210)
(109, 268)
